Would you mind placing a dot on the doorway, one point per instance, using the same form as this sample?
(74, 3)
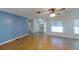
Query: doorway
(42, 27)
(39, 25)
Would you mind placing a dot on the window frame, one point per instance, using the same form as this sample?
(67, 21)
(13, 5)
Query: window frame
(55, 25)
(75, 31)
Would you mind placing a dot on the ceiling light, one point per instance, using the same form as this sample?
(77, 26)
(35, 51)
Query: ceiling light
(52, 15)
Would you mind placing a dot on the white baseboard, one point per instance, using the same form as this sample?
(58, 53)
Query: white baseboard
(13, 39)
(65, 35)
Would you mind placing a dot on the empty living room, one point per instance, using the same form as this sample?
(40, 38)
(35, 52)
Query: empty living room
(39, 28)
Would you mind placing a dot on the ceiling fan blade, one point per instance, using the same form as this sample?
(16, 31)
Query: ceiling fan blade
(61, 9)
(58, 13)
(44, 13)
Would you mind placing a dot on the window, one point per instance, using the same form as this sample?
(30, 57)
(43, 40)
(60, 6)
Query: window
(57, 26)
(76, 28)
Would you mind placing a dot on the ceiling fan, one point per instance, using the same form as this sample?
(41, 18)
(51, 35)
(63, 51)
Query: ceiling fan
(52, 11)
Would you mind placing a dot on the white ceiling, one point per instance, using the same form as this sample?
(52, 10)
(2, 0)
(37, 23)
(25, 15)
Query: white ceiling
(31, 12)
(25, 12)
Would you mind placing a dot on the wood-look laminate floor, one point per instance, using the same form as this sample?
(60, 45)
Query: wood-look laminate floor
(41, 42)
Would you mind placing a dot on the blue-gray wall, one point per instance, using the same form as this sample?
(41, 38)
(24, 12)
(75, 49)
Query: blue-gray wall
(12, 26)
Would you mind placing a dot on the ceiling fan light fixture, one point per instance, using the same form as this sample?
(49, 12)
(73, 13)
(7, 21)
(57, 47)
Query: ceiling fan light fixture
(52, 15)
